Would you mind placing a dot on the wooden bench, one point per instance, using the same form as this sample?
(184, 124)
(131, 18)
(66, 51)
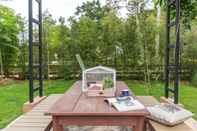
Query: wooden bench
(35, 120)
(189, 125)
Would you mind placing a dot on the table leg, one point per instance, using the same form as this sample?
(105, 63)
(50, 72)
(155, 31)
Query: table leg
(56, 125)
(139, 126)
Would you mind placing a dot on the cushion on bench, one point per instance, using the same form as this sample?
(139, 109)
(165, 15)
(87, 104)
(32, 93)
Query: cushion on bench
(188, 125)
(169, 114)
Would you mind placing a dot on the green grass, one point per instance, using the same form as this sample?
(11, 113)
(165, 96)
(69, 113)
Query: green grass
(15, 93)
(188, 94)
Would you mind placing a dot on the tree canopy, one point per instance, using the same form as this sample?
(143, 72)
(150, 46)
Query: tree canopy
(99, 35)
(9, 30)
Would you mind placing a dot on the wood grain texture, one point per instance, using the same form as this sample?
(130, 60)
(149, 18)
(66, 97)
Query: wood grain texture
(77, 108)
(76, 103)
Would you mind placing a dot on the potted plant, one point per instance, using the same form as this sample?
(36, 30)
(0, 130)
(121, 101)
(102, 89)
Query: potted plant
(107, 83)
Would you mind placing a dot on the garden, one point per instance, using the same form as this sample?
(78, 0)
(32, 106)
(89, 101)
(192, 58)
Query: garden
(133, 45)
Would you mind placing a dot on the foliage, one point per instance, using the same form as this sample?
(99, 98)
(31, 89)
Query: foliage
(194, 79)
(190, 48)
(108, 83)
(9, 30)
(93, 10)
(100, 36)
(188, 10)
(23, 49)
(147, 31)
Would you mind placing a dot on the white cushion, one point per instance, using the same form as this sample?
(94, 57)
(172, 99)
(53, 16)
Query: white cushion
(169, 114)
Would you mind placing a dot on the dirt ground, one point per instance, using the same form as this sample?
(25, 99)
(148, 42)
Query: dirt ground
(96, 128)
(6, 81)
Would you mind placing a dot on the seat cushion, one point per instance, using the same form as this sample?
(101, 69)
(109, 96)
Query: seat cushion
(169, 114)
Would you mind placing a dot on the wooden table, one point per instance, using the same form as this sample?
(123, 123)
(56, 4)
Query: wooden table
(75, 108)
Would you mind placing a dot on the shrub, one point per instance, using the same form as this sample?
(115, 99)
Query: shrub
(194, 79)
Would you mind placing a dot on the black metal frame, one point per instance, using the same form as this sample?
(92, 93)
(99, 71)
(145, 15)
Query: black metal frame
(32, 66)
(172, 68)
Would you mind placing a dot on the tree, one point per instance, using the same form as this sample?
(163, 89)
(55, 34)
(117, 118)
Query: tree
(188, 10)
(23, 47)
(92, 10)
(64, 38)
(112, 30)
(48, 26)
(148, 32)
(9, 30)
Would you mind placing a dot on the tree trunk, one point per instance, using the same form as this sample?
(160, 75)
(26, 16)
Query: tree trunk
(1, 62)
(48, 62)
(157, 38)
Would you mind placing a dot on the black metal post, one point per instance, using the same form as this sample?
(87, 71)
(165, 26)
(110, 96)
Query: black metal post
(40, 51)
(37, 44)
(167, 51)
(30, 75)
(174, 67)
(177, 53)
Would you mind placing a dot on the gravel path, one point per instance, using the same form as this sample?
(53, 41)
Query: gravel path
(96, 128)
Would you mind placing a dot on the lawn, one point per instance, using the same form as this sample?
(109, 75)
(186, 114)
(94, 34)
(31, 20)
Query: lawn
(14, 93)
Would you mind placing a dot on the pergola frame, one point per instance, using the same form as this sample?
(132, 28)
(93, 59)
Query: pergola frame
(35, 44)
(173, 68)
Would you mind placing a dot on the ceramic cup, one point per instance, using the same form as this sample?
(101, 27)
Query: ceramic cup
(125, 92)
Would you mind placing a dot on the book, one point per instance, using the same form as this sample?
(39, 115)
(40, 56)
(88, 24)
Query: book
(125, 103)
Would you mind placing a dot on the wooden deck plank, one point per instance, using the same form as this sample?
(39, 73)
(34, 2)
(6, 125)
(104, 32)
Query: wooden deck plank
(180, 127)
(43, 125)
(35, 120)
(35, 117)
(148, 100)
(25, 129)
(34, 114)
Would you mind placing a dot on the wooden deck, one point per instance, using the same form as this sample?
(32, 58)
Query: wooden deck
(35, 120)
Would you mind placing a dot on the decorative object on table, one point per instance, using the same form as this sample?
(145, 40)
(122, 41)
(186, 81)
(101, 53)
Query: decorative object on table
(108, 83)
(124, 103)
(98, 81)
(125, 92)
(169, 114)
